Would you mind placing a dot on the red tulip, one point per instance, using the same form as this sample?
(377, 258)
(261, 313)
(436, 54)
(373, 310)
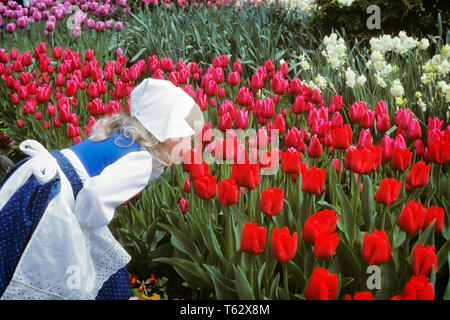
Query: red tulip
(417, 288)
(205, 187)
(383, 122)
(365, 139)
(226, 122)
(322, 285)
(424, 259)
(325, 245)
(367, 119)
(93, 90)
(57, 52)
(246, 174)
(414, 132)
(419, 174)
(419, 147)
(198, 170)
(365, 295)
(432, 214)
(73, 131)
(337, 121)
(314, 149)
(412, 217)
(292, 138)
(233, 78)
(187, 185)
(401, 159)
(228, 192)
(256, 82)
(279, 124)
(268, 108)
(183, 205)
(290, 161)
(438, 151)
(237, 66)
(313, 180)
(387, 148)
(316, 96)
(253, 238)
(341, 137)
(388, 191)
(376, 248)
(271, 201)
(356, 111)
(363, 161)
(299, 105)
(19, 123)
(320, 222)
(284, 246)
(77, 139)
(71, 88)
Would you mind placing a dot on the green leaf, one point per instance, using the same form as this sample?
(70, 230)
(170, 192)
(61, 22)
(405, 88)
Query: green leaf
(182, 243)
(447, 291)
(243, 288)
(426, 237)
(189, 271)
(389, 281)
(348, 215)
(399, 237)
(441, 255)
(224, 287)
(273, 294)
(367, 201)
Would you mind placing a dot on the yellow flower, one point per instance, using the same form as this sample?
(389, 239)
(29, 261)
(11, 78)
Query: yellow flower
(155, 297)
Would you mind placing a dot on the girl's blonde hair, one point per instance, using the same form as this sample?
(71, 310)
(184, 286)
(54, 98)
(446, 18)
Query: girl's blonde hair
(130, 127)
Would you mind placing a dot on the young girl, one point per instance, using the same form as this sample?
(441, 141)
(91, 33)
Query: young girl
(55, 206)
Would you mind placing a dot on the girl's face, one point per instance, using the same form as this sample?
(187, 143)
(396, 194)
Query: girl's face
(177, 147)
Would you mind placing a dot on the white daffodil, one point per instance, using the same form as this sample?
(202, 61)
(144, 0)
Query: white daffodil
(361, 80)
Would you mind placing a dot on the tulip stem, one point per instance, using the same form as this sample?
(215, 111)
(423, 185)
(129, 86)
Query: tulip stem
(341, 164)
(230, 231)
(252, 261)
(285, 279)
(383, 217)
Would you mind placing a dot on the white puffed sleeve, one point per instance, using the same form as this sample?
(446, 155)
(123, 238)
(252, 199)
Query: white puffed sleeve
(118, 182)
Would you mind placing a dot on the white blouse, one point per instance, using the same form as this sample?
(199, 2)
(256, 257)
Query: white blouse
(120, 181)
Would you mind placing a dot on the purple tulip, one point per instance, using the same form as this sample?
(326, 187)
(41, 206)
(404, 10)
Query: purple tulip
(109, 24)
(49, 26)
(90, 23)
(41, 6)
(93, 6)
(102, 11)
(22, 22)
(9, 14)
(76, 32)
(10, 27)
(37, 16)
(119, 25)
(100, 26)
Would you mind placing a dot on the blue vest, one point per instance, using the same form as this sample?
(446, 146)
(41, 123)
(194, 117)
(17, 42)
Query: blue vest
(96, 155)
